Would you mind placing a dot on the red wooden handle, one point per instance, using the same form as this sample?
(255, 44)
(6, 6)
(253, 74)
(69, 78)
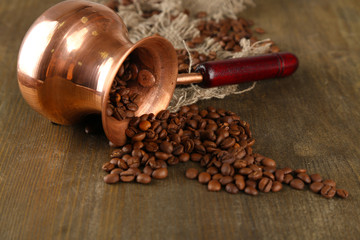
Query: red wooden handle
(248, 69)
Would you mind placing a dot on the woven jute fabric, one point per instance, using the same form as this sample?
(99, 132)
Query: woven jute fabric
(184, 27)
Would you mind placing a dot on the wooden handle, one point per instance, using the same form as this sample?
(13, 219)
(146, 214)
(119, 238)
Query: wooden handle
(248, 69)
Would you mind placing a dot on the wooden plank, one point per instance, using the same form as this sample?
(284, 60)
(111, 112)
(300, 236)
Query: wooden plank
(50, 178)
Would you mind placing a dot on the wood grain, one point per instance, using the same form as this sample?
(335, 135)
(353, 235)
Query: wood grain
(51, 179)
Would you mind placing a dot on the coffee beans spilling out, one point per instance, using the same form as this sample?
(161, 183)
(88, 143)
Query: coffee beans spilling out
(220, 141)
(123, 101)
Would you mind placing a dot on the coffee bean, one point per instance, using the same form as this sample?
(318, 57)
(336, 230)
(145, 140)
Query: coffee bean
(160, 173)
(251, 183)
(316, 187)
(185, 157)
(255, 175)
(212, 170)
(143, 178)
(288, 178)
(204, 177)
(297, 184)
(316, 177)
(300, 170)
(162, 155)
(276, 186)
(144, 125)
(329, 182)
(287, 170)
(191, 173)
(231, 188)
(304, 177)
(217, 176)
(245, 171)
(279, 175)
(195, 157)
(226, 169)
(225, 180)
(342, 193)
(240, 182)
(166, 147)
(251, 191)
(151, 147)
(268, 162)
(128, 178)
(112, 178)
(214, 186)
(148, 170)
(116, 171)
(328, 191)
(265, 184)
(108, 167)
(138, 137)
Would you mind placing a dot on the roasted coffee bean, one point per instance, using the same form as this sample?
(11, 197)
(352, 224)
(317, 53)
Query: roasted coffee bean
(138, 145)
(328, 191)
(162, 155)
(185, 157)
(276, 186)
(112, 178)
(287, 170)
(342, 193)
(178, 149)
(240, 182)
(195, 157)
(288, 178)
(265, 184)
(117, 170)
(304, 177)
(214, 186)
(143, 178)
(245, 171)
(191, 173)
(127, 178)
(227, 143)
(269, 175)
(148, 170)
(122, 164)
(204, 177)
(279, 175)
(316, 177)
(297, 184)
(268, 162)
(160, 173)
(138, 137)
(251, 191)
(217, 176)
(225, 180)
(226, 169)
(108, 167)
(251, 183)
(316, 187)
(117, 153)
(255, 175)
(144, 125)
(300, 170)
(166, 147)
(329, 182)
(151, 147)
(231, 188)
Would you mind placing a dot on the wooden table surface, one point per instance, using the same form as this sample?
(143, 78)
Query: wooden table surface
(51, 183)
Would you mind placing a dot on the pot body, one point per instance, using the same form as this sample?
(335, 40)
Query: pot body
(70, 56)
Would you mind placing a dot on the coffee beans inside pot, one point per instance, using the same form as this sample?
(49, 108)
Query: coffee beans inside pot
(219, 141)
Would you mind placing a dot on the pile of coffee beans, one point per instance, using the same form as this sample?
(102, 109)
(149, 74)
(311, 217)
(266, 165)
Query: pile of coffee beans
(123, 101)
(220, 141)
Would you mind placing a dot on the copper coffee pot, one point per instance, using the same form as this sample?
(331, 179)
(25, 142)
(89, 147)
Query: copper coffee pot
(72, 52)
